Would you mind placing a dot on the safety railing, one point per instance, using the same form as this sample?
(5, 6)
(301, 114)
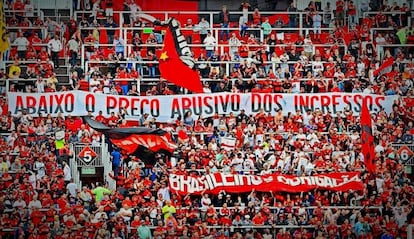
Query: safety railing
(106, 160)
(73, 164)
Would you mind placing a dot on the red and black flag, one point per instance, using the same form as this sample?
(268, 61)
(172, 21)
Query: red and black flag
(136, 140)
(367, 139)
(175, 61)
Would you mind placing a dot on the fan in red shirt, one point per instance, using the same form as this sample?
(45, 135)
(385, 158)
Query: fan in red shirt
(160, 230)
(43, 55)
(18, 6)
(258, 219)
(36, 216)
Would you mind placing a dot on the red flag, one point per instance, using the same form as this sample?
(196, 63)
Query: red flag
(174, 70)
(385, 67)
(153, 142)
(367, 139)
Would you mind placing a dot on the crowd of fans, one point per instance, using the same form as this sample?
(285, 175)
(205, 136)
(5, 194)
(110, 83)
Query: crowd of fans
(39, 198)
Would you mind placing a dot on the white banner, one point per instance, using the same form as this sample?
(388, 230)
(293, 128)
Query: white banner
(228, 143)
(169, 107)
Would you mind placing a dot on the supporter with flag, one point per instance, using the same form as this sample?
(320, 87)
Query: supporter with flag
(367, 139)
(176, 63)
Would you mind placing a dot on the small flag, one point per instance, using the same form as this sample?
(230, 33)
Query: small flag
(172, 67)
(367, 139)
(227, 143)
(4, 43)
(384, 68)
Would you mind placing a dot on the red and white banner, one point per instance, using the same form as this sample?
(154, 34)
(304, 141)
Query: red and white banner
(169, 107)
(238, 183)
(384, 68)
(228, 143)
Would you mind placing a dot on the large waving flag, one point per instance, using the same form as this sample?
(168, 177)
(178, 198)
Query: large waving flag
(140, 141)
(175, 61)
(367, 139)
(385, 67)
(4, 43)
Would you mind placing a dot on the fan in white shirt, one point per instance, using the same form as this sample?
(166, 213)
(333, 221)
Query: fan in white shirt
(34, 203)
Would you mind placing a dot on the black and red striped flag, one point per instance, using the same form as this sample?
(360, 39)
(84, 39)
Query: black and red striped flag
(367, 139)
(136, 140)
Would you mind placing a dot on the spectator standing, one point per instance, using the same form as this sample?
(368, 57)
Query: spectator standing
(83, 24)
(164, 191)
(234, 44)
(267, 29)
(55, 46)
(144, 231)
(119, 45)
(96, 9)
(99, 192)
(151, 42)
(22, 43)
(135, 10)
(28, 9)
(317, 24)
(327, 14)
(203, 28)
(40, 84)
(152, 65)
(116, 159)
(257, 18)
(210, 44)
(73, 47)
(72, 26)
(351, 9)
(52, 27)
(292, 17)
(340, 12)
(72, 188)
(188, 30)
(110, 26)
(245, 7)
(224, 19)
(67, 174)
(168, 210)
(107, 5)
(308, 46)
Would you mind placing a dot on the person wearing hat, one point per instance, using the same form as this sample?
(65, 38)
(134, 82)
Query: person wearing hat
(247, 221)
(143, 118)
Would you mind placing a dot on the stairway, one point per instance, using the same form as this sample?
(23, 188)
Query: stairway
(60, 15)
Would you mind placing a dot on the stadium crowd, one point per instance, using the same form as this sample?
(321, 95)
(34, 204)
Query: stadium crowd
(39, 198)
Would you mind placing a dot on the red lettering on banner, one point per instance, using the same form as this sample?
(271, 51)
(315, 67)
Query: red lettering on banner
(19, 104)
(123, 103)
(335, 99)
(30, 102)
(325, 100)
(185, 103)
(346, 99)
(313, 99)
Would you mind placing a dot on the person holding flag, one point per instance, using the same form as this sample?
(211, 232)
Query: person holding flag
(367, 139)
